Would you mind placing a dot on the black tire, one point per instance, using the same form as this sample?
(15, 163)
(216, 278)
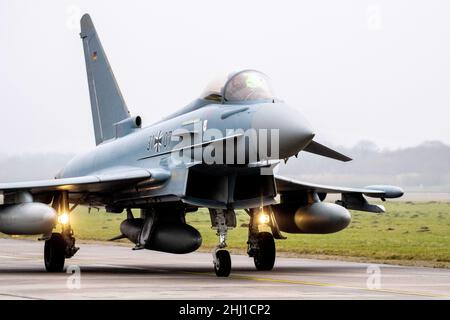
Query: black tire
(264, 257)
(222, 265)
(54, 253)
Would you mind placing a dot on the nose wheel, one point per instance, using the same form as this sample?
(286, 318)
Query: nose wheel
(222, 221)
(222, 263)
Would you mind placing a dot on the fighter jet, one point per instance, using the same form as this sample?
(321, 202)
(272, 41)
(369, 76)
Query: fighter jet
(219, 152)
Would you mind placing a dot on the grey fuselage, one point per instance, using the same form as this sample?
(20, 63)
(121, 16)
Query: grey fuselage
(150, 147)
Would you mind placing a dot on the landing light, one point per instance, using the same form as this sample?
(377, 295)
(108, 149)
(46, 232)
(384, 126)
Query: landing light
(63, 218)
(263, 218)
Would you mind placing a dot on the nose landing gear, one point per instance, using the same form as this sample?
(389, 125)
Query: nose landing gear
(222, 221)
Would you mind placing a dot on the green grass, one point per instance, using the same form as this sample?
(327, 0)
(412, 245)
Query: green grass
(407, 232)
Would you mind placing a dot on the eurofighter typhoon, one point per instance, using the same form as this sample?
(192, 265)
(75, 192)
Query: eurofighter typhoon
(218, 152)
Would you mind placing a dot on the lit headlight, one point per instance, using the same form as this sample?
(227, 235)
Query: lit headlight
(263, 218)
(63, 218)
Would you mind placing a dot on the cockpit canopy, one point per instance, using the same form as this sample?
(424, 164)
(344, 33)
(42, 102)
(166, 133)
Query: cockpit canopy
(246, 85)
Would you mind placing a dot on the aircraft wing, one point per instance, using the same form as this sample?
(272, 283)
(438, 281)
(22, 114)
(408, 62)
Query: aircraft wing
(352, 198)
(95, 182)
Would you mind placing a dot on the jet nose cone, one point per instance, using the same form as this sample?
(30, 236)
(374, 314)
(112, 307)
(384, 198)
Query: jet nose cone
(295, 133)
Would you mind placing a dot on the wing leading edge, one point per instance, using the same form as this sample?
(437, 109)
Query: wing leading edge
(95, 182)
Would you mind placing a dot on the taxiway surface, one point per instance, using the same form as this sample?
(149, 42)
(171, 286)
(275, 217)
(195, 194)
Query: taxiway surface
(104, 271)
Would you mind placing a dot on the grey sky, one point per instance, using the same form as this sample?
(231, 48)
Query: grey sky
(359, 70)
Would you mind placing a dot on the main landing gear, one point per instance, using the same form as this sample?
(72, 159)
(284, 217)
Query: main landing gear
(57, 248)
(261, 244)
(264, 251)
(54, 253)
(222, 221)
(60, 246)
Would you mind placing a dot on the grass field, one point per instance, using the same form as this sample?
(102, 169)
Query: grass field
(411, 233)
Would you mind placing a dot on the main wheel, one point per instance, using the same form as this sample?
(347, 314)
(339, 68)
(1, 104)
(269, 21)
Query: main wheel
(222, 264)
(54, 253)
(264, 257)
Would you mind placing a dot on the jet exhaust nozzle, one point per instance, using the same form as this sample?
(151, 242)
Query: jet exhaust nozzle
(30, 218)
(165, 237)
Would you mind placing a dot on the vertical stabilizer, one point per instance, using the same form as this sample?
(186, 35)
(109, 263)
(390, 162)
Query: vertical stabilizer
(107, 104)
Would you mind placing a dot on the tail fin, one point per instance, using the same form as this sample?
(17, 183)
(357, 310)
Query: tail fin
(107, 104)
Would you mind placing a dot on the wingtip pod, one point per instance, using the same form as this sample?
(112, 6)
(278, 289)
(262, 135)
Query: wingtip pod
(390, 192)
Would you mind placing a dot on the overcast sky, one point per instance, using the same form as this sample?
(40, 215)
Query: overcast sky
(358, 70)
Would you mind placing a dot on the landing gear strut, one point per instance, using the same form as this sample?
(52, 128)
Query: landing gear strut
(60, 246)
(222, 221)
